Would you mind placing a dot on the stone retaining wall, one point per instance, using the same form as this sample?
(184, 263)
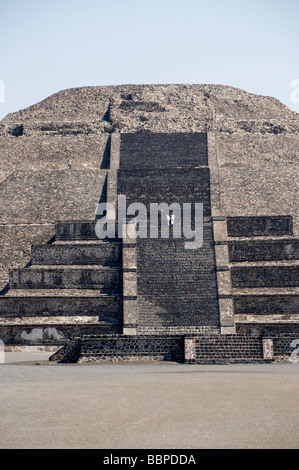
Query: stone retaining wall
(217, 349)
(104, 254)
(51, 333)
(263, 276)
(286, 347)
(250, 226)
(260, 250)
(96, 277)
(266, 303)
(121, 348)
(104, 307)
(200, 349)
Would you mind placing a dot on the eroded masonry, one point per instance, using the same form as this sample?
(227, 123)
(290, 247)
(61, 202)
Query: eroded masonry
(233, 299)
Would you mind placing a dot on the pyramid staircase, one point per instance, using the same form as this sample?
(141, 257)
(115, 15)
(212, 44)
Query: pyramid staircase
(71, 295)
(71, 286)
(264, 262)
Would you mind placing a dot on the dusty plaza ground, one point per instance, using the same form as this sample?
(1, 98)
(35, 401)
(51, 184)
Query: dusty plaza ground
(147, 405)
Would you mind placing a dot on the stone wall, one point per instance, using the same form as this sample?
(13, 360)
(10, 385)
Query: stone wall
(217, 349)
(251, 226)
(75, 230)
(202, 349)
(104, 254)
(286, 347)
(278, 327)
(263, 276)
(253, 170)
(29, 153)
(259, 250)
(134, 348)
(101, 308)
(67, 277)
(47, 333)
(264, 272)
(43, 179)
(266, 303)
(55, 164)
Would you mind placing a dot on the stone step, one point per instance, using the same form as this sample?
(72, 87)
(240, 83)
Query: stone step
(280, 274)
(61, 320)
(270, 263)
(260, 291)
(262, 304)
(105, 254)
(103, 306)
(227, 348)
(106, 279)
(86, 242)
(25, 333)
(259, 226)
(77, 230)
(267, 318)
(260, 238)
(286, 249)
(177, 330)
(61, 293)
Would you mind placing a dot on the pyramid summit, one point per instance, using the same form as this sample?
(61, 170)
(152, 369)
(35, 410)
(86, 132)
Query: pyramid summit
(177, 105)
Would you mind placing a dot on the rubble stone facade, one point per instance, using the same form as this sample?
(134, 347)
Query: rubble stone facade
(235, 152)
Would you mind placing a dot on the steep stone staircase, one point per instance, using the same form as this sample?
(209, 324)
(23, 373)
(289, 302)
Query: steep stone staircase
(71, 287)
(177, 287)
(264, 259)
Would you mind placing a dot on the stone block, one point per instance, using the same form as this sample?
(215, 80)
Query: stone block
(251, 226)
(129, 284)
(268, 352)
(115, 151)
(220, 230)
(224, 283)
(226, 310)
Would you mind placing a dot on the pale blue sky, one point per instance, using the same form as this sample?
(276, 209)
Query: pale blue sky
(47, 46)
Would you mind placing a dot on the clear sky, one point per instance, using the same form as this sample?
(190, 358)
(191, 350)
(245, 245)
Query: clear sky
(50, 45)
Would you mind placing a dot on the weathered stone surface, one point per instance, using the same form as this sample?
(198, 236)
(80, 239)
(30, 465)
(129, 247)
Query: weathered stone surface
(175, 104)
(54, 154)
(215, 349)
(262, 250)
(123, 348)
(103, 253)
(60, 158)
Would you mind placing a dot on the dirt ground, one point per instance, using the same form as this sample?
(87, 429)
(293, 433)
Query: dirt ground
(147, 405)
